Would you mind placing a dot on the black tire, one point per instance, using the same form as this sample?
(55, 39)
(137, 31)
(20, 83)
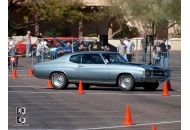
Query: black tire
(150, 86)
(126, 86)
(57, 83)
(85, 86)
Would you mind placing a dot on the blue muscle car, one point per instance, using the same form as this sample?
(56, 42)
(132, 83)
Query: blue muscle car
(101, 68)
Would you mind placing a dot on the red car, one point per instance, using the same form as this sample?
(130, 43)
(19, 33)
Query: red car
(21, 47)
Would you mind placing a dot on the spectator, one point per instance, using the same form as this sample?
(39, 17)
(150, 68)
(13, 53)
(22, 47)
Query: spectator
(81, 46)
(41, 46)
(156, 54)
(59, 51)
(28, 43)
(11, 46)
(165, 46)
(130, 47)
(144, 49)
(94, 46)
(39, 52)
(106, 48)
(40, 35)
(121, 48)
(67, 49)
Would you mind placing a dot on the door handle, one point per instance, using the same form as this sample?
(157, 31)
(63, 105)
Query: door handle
(80, 66)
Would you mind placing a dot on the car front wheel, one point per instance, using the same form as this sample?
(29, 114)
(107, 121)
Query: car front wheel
(126, 82)
(150, 86)
(59, 81)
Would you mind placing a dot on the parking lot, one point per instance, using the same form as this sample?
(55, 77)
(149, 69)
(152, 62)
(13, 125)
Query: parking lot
(98, 108)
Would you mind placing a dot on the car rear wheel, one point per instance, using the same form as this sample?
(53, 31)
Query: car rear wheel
(59, 81)
(85, 86)
(126, 82)
(150, 86)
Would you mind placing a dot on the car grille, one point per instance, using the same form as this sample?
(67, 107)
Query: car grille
(157, 73)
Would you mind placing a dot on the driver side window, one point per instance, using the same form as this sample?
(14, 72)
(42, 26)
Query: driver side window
(92, 59)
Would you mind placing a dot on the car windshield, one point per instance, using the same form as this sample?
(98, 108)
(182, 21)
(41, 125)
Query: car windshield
(114, 59)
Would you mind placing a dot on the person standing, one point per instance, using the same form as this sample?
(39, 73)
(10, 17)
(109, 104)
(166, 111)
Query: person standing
(130, 47)
(121, 48)
(39, 51)
(11, 46)
(94, 46)
(81, 46)
(156, 54)
(41, 46)
(67, 49)
(144, 48)
(28, 43)
(165, 46)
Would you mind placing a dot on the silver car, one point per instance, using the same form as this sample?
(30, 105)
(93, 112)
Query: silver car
(100, 68)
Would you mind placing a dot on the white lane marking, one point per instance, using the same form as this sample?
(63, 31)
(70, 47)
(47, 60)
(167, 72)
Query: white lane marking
(26, 92)
(112, 127)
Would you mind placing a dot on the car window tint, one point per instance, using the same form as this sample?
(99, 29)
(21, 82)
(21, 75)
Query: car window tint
(92, 59)
(75, 58)
(113, 58)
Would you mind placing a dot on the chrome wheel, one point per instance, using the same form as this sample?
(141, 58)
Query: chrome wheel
(126, 82)
(59, 80)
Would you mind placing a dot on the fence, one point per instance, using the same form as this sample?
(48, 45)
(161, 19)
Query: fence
(174, 59)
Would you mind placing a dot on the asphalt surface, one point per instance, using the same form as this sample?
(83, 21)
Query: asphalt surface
(98, 108)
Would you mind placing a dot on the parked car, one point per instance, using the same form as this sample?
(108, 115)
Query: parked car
(21, 47)
(100, 68)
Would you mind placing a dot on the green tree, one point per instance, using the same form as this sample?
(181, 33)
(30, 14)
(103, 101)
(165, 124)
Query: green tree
(48, 11)
(148, 14)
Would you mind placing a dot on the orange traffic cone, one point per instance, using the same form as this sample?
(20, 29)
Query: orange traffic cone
(30, 71)
(49, 85)
(127, 120)
(169, 86)
(80, 88)
(14, 76)
(153, 127)
(165, 89)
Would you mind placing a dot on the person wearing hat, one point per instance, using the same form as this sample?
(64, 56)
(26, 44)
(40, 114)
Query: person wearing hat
(28, 42)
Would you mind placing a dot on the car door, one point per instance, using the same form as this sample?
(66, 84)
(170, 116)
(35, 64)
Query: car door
(93, 69)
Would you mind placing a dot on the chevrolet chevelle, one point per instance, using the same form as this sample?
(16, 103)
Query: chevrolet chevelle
(100, 68)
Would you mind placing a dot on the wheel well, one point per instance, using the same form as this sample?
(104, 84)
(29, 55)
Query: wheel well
(57, 72)
(122, 74)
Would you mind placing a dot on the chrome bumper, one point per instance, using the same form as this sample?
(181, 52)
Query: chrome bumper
(153, 79)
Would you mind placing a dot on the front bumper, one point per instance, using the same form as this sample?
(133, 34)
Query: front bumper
(154, 79)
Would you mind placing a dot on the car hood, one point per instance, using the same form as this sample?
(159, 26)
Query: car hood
(147, 67)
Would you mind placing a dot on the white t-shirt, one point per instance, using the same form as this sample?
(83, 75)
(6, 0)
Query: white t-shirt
(167, 43)
(129, 45)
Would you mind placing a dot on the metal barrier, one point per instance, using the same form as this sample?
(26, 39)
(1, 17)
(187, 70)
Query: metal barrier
(174, 59)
